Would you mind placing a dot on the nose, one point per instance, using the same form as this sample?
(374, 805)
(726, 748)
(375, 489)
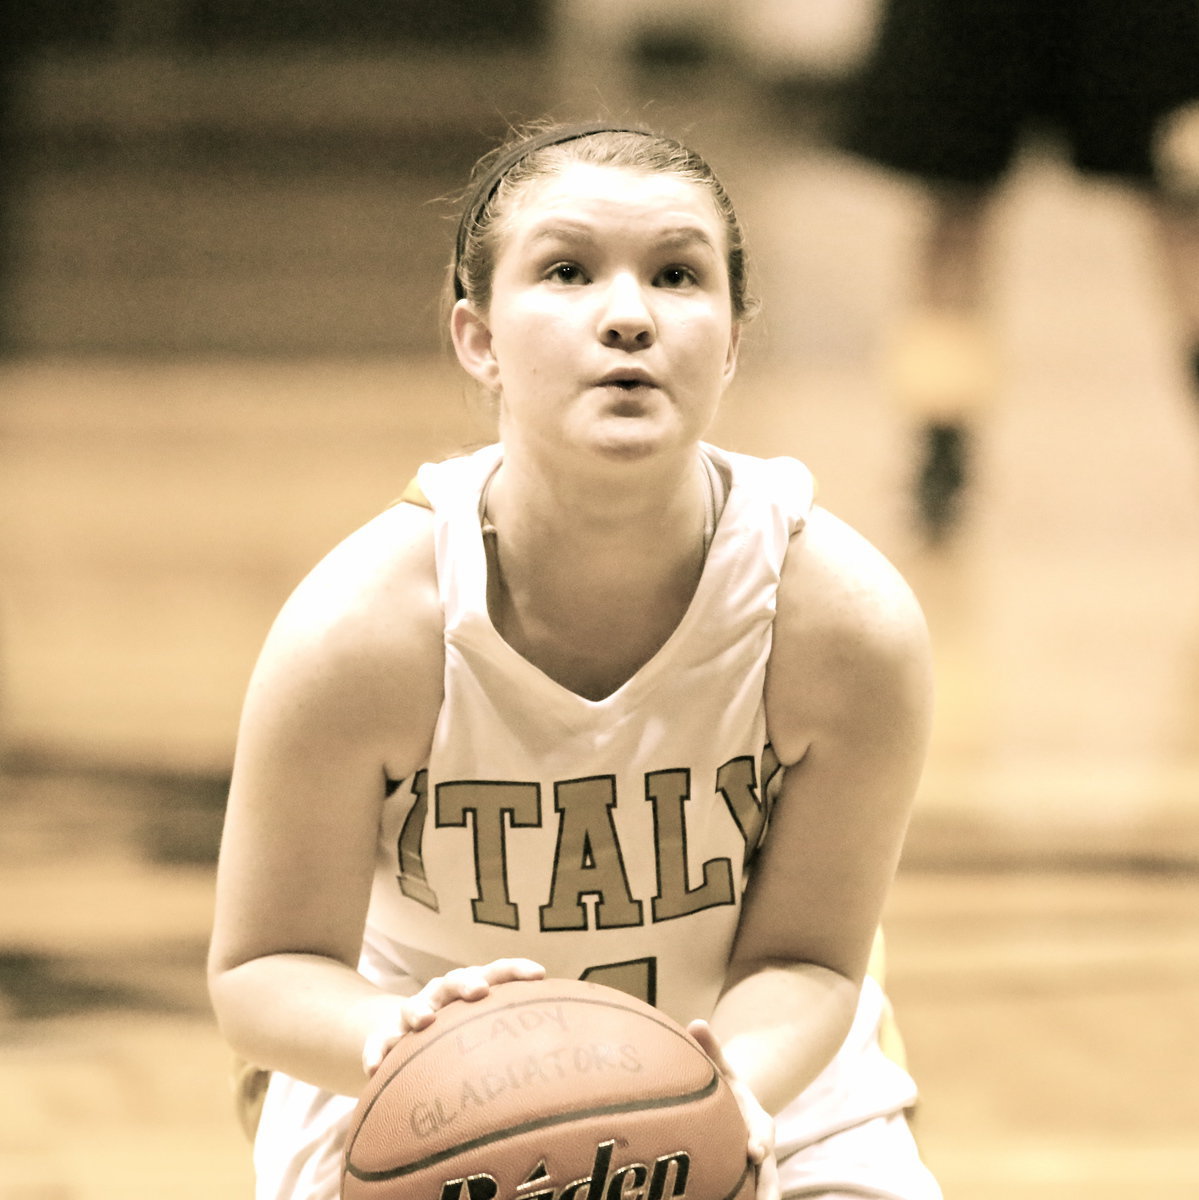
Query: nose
(625, 320)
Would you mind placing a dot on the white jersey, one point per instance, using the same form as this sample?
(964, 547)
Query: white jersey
(606, 839)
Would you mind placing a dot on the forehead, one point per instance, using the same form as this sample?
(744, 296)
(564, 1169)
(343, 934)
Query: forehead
(620, 198)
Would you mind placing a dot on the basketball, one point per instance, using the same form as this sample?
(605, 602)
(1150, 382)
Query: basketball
(548, 1090)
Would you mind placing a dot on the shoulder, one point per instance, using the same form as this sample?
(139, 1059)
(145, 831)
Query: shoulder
(389, 558)
(356, 651)
(850, 641)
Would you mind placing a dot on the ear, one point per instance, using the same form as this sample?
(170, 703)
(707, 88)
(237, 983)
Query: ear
(472, 343)
(730, 361)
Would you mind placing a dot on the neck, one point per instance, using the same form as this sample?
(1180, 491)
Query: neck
(658, 506)
(588, 582)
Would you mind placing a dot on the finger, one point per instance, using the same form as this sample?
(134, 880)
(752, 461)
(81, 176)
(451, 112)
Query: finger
(467, 983)
(473, 983)
(768, 1180)
(417, 1011)
(505, 970)
(759, 1123)
(462, 983)
(701, 1031)
(761, 1136)
(376, 1047)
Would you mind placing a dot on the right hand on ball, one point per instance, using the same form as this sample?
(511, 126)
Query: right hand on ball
(463, 983)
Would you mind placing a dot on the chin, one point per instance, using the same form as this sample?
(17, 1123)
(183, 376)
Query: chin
(633, 445)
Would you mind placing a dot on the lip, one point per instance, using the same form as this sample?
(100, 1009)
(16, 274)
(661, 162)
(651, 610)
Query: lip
(627, 377)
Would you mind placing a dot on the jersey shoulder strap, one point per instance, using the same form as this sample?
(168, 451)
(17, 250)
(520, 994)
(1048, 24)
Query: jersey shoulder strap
(413, 493)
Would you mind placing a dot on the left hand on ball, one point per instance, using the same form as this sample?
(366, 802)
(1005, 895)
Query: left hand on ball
(757, 1120)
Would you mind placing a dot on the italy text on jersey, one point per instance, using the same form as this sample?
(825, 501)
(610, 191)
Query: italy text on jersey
(588, 862)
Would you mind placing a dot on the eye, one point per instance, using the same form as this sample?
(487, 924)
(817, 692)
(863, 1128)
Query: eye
(676, 277)
(566, 272)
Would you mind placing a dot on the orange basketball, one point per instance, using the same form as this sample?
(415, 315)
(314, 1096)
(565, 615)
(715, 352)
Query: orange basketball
(548, 1090)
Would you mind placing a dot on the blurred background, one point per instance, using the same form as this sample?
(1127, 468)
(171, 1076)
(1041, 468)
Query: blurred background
(223, 231)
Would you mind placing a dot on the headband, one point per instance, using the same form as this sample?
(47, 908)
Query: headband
(487, 184)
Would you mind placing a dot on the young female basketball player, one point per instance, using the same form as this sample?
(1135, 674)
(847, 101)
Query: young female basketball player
(600, 701)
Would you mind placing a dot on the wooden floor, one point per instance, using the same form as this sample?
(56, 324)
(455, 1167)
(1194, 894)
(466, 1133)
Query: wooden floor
(1045, 925)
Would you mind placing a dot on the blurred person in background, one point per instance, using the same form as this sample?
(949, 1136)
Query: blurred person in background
(947, 95)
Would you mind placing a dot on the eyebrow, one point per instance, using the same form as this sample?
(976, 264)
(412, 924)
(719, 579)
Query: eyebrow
(676, 237)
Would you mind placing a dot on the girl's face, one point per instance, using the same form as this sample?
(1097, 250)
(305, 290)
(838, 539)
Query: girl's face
(610, 328)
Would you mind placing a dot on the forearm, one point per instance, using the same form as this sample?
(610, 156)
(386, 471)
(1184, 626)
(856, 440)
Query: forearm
(780, 1023)
(305, 1015)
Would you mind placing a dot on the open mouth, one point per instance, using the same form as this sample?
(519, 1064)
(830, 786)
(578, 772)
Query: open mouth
(627, 383)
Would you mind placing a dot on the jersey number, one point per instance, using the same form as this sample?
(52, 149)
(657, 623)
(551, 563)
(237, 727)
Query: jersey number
(637, 978)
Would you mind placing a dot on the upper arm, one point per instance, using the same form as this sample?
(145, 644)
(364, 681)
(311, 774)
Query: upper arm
(848, 704)
(344, 696)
